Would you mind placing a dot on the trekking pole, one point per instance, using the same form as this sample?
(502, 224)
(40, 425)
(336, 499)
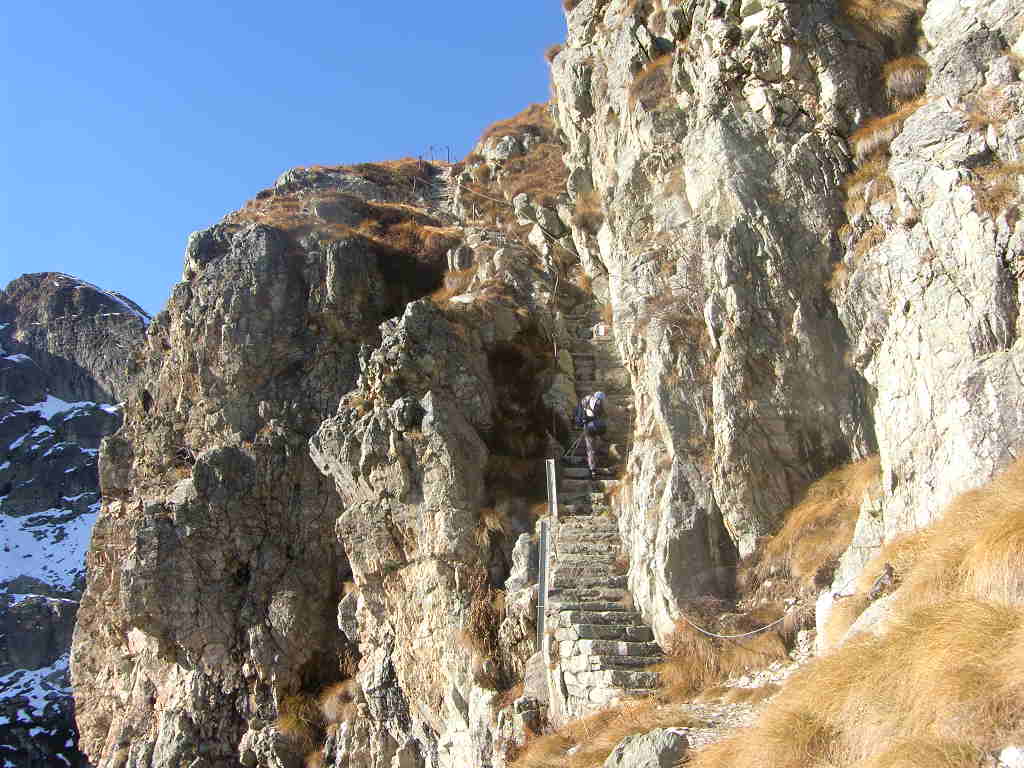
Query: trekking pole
(574, 446)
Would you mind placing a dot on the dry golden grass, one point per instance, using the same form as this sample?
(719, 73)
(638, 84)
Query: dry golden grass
(338, 702)
(596, 736)
(877, 134)
(997, 187)
(695, 662)
(868, 184)
(588, 213)
(905, 78)
(454, 284)
(314, 760)
(348, 587)
(923, 753)
(652, 83)
(534, 119)
(299, 720)
(873, 237)
(818, 529)
(882, 21)
(845, 611)
(540, 173)
(943, 685)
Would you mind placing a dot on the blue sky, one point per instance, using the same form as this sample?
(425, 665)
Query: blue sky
(128, 125)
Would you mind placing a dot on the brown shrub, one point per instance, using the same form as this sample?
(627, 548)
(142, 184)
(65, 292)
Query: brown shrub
(314, 759)
(299, 721)
(905, 78)
(479, 634)
(997, 187)
(552, 51)
(882, 21)
(455, 283)
(588, 213)
(652, 83)
(819, 529)
(338, 702)
(877, 133)
(871, 238)
(570, 4)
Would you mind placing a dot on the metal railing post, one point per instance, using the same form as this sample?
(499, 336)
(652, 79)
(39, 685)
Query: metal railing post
(544, 556)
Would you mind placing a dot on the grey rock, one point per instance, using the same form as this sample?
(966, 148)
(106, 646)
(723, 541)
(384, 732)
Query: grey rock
(660, 748)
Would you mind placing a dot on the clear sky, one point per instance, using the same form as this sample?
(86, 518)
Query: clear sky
(125, 126)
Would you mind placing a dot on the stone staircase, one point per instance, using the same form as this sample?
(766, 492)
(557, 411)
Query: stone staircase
(601, 644)
(598, 367)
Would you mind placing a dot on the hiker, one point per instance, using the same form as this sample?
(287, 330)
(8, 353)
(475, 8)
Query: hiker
(590, 416)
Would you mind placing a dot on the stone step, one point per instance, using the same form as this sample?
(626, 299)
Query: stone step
(621, 618)
(613, 678)
(628, 632)
(592, 663)
(587, 528)
(586, 575)
(606, 556)
(618, 648)
(575, 595)
(609, 549)
(556, 606)
(570, 580)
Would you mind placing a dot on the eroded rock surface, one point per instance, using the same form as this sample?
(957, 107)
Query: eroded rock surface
(63, 348)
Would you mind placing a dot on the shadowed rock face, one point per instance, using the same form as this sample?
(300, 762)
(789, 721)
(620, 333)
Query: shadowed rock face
(80, 336)
(63, 348)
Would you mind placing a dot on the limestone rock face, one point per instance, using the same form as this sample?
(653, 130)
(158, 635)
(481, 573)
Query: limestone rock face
(215, 572)
(931, 292)
(709, 137)
(409, 453)
(63, 347)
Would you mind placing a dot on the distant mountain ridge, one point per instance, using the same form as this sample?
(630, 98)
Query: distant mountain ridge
(64, 344)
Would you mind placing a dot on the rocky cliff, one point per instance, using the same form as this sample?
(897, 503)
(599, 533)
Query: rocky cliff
(63, 348)
(784, 235)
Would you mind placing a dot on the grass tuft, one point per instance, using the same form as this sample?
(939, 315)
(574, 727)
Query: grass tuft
(876, 134)
(905, 78)
(299, 720)
(883, 22)
(819, 529)
(587, 743)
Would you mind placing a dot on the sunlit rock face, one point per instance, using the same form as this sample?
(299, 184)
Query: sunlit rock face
(63, 349)
(307, 494)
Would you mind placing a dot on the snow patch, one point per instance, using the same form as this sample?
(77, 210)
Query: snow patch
(46, 547)
(37, 687)
(20, 358)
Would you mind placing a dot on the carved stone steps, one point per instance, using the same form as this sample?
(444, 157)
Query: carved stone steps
(629, 632)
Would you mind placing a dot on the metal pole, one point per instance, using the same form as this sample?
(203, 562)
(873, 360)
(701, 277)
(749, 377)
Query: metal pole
(543, 572)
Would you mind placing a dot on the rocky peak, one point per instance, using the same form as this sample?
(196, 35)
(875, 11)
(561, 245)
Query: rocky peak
(79, 335)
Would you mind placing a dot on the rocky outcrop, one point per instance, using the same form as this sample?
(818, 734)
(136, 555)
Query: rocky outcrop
(929, 288)
(710, 140)
(61, 340)
(80, 336)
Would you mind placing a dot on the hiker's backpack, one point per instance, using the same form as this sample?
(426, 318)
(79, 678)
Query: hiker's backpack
(579, 416)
